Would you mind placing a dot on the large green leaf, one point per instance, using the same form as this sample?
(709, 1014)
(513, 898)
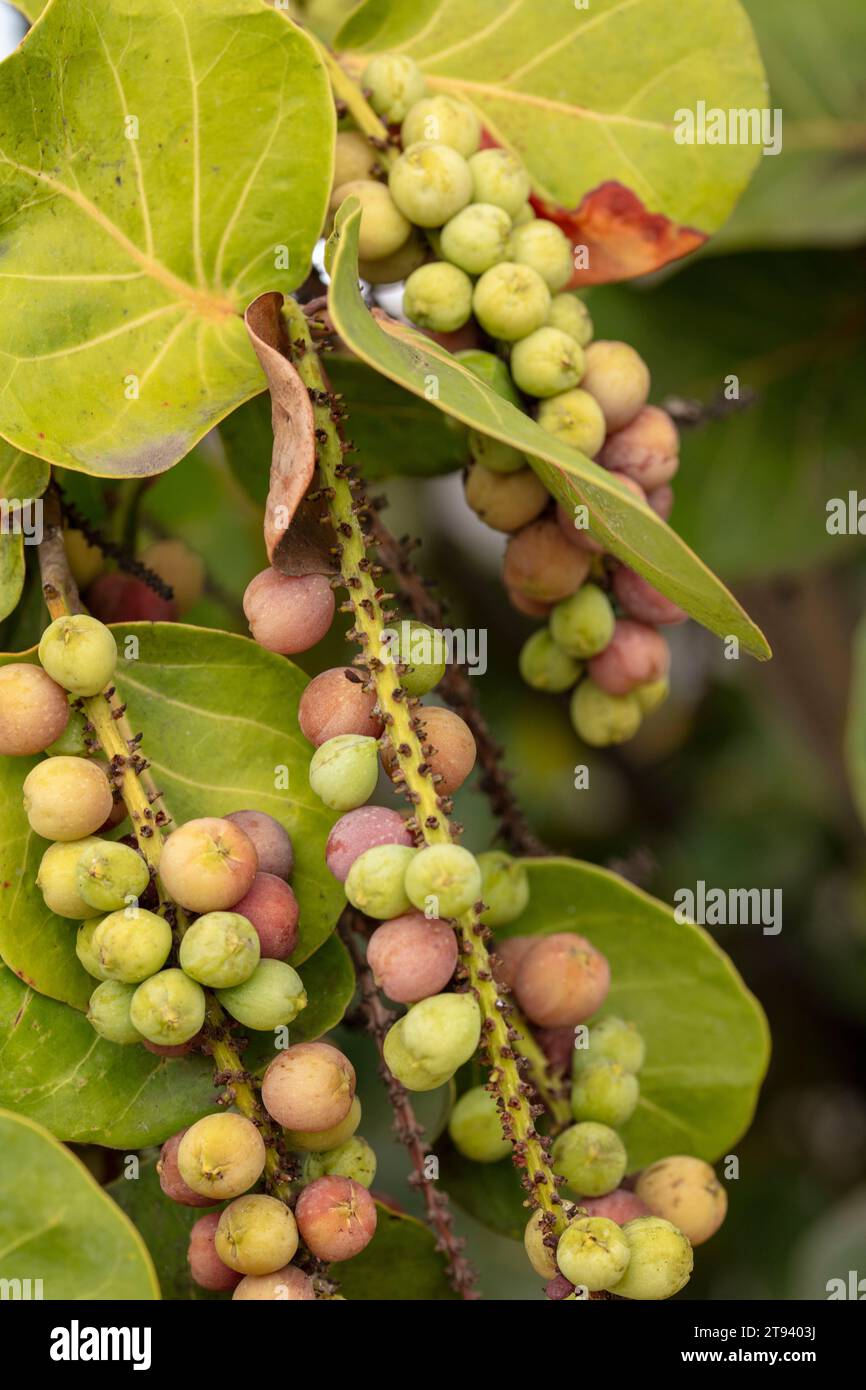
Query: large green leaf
(628, 528)
(57, 1224)
(188, 692)
(155, 155)
(22, 479)
(587, 96)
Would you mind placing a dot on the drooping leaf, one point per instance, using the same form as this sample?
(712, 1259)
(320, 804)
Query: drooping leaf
(212, 751)
(59, 1226)
(628, 528)
(161, 164)
(588, 97)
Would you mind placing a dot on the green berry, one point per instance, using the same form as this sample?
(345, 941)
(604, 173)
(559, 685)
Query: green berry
(354, 157)
(79, 652)
(493, 455)
(498, 177)
(576, 418)
(84, 948)
(384, 229)
(424, 1048)
(72, 742)
(110, 875)
(492, 370)
(547, 362)
(256, 1235)
(353, 1159)
(220, 949)
(66, 798)
(476, 238)
(511, 301)
(475, 1127)
(376, 882)
(612, 1040)
(271, 997)
(394, 83)
(545, 666)
(221, 1156)
(430, 184)
(605, 1092)
(505, 501)
(438, 296)
(591, 1157)
(168, 1008)
(504, 887)
(601, 719)
(390, 270)
(132, 944)
(593, 1253)
(569, 313)
(526, 214)
(325, 1140)
(422, 649)
(344, 771)
(442, 120)
(57, 878)
(546, 248)
(653, 694)
(583, 624)
(444, 878)
(109, 1012)
(660, 1263)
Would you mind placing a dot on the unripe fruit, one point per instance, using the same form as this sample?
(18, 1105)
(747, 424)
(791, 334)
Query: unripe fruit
(606, 1092)
(448, 747)
(492, 370)
(383, 228)
(491, 454)
(562, 980)
(619, 1206)
(593, 1252)
(273, 910)
(547, 362)
(583, 624)
(505, 501)
(576, 419)
(354, 157)
(110, 875)
(394, 83)
(205, 1266)
(653, 694)
(430, 184)
(271, 841)
(57, 878)
(85, 951)
(412, 957)
(344, 771)
(591, 1157)
(422, 649)
(391, 270)
(208, 864)
(361, 830)
(288, 614)
(322, 1140)
(168, 1008)
(289, 1285)
(442, 120)
(506, 961)
(635, 655)
(475, 1127)
(353, 1159)
(619, 379)
(336, 1218)
(375, 884)
(171, 1181)
(498, 177)
(504, 887)
(510, 300)
(641, 601)
(72, 743)
(685, 1191)
(221, 1156)
(545, 666)
(121, 598)
(438, 296)
(34, 710)
(66, 798)
(646, 449)
(569, 313)
(338, 702)
(79, 653)
(612, 1040)
(181, 568)
(545, 247)
(425, 1047)
(540, 563)
(601, 719)
(85, 560)
(476, 238)
(540, 1255)
(271, 997)
(309, 1087)
(220, 949)
(447, 877)
(256, 1235)
(131, 945)
(108, 1012)
(661, 1260)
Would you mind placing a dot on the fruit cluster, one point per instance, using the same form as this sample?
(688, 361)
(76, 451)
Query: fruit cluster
(505, 270)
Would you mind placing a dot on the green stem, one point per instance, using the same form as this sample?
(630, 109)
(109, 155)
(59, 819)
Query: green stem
(349, 93)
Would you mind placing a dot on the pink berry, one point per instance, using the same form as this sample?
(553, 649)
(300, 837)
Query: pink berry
(170, 1179)
(272, 843)
(412, 957)
(309, 1087)
(661, 499)
(120, 598)
(507, 958)
(34, 710)
(561, 980)
(619, 1206)
(205, 1265)
(336, 702)
(635, 655)
(541, 564)
(273, 909)
(288, 614)
(530, 607)
(336, 1218)
(361, 830)
(647, 449)
(640, 600)
(557, 1044)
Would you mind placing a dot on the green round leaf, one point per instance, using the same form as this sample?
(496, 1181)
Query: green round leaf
(401, 1263)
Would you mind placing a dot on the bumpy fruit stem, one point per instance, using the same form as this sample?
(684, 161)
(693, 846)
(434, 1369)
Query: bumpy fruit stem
(430, 822)
(349, 95)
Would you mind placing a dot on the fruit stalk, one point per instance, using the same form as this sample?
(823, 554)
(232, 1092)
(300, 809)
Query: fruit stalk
(349, 96)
